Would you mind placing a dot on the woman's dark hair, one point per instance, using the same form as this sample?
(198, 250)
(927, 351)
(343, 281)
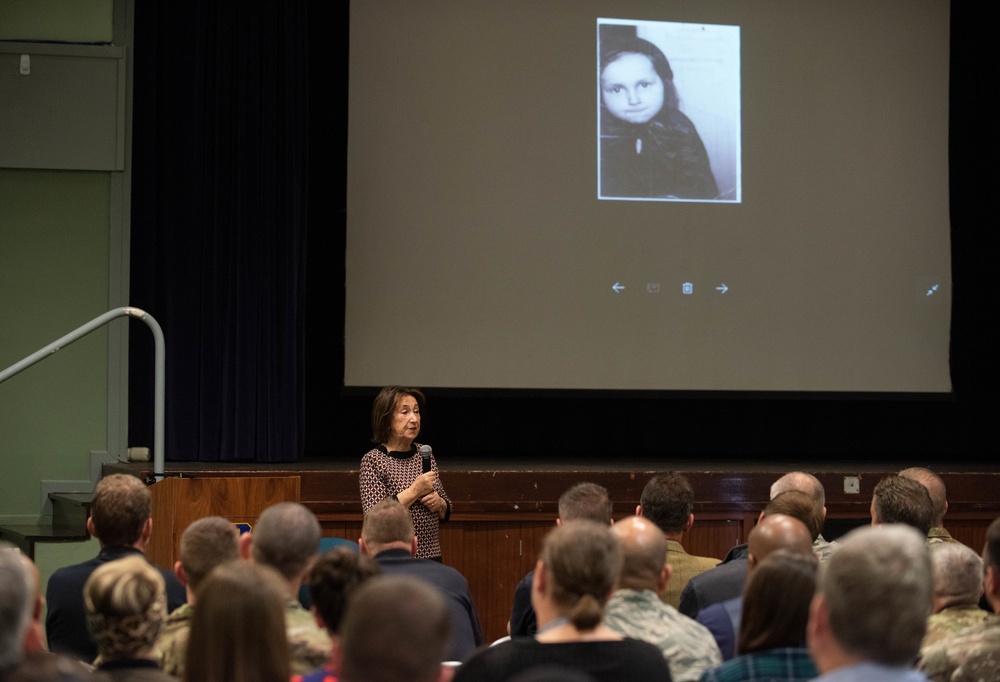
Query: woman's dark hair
(582, 560)
(776, 602)
(613, 48)
(382, 409)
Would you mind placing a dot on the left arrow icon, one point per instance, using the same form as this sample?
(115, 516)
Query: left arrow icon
(618, 287)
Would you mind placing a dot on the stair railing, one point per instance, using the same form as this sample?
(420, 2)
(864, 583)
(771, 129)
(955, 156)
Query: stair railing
(160, 369)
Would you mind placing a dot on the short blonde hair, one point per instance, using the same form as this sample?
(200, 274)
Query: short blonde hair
(126, 603)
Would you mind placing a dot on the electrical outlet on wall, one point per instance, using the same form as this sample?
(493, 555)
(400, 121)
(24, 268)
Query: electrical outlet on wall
(852, 485)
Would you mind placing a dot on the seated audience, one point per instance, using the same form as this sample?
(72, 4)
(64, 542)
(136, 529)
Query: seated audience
(332, 580)
(387, 536)
(668, 501)
(805, 482)
(772, 636)
(121, 519)
(395, 629)
(636, 610)
(20, 608)
(939, 499)
(238, 628)
(870, 610)
(45, 666)
(574, 577)
(726, 580)
(897, 499)
(974, 653)
(286, 538)
(958, 585)
(205, 544)
(774, 532)
(581, 501)
(126, 604)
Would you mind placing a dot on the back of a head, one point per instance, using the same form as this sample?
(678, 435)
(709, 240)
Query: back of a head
(897, 499)
(585, 501)
(935, 487)
(991, 550)
(238, 627)
(17, 592)
(798, 505)
(668, 500)
(286, 538)
(644, 552)
(126, 603)
(878, 593)
(119, 509)
(205, 544)
(778, 532)
(395, 629)
(387, 522)
(803, 482)
(958, 574)
(333, 578)
(776, 601)
(582, 560)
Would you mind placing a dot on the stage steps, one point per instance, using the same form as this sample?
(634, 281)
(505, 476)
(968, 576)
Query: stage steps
(67, 524)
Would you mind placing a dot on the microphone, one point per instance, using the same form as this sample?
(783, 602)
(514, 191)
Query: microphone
(425, 456)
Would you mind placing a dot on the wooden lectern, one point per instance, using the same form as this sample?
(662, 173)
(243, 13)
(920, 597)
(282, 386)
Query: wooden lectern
(179, 501)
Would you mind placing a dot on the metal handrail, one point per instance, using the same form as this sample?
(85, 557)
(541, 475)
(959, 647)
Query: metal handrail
(160, 369)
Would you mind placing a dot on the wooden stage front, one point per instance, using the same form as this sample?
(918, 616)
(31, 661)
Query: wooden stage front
(501, 514)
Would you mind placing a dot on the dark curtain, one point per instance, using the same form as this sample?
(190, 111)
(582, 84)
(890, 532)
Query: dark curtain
(219, 208)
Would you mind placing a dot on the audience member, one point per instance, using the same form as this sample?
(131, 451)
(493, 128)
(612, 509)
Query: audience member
(45, 666)
(574, 577)
(939, 499)
(206, 543)
(332, 579)
(805, 482)
(395, 629)
(775, 531)
(974, 653)
(668, 501)
(581, 501)
(286, 538)
(870, 611)
(387, 536)
(635, 609)
(772, 641)
(126, 603)
(121, 520)
(238, 628)
(897, 499)
(19, 608)
(958, 585)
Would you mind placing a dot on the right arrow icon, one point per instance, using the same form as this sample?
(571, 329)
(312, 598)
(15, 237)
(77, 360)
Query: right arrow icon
(722, 288)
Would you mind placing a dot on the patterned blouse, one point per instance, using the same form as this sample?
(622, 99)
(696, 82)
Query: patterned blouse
(386, 474)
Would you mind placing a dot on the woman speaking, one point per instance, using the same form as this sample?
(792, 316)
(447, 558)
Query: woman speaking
(396, 467)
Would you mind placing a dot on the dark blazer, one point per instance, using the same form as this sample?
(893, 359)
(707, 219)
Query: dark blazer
(66, 618)
(715, 585)
(466, 633)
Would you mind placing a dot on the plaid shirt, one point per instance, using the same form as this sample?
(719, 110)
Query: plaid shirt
(790, 664)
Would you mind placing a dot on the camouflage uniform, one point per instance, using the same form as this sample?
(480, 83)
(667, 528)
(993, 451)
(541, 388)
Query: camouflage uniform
(972, 655)
(823, 548)
(684, 567)
(937, 536)
(171, 647)
(308, 645)
(950, 621)
(688, 647)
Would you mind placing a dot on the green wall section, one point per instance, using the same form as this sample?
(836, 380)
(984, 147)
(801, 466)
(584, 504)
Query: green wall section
(53, 278)
(77, 21)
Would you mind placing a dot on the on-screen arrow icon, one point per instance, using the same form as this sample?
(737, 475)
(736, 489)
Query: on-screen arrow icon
(723, 289)
(618, 287)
